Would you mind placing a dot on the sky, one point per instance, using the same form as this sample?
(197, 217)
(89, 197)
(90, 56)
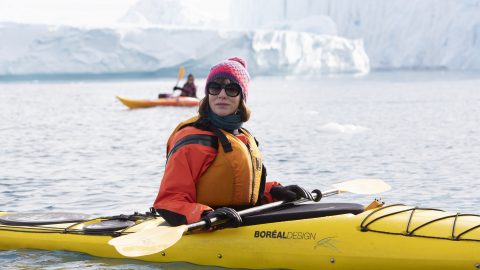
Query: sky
(73, 12)
(82, 12)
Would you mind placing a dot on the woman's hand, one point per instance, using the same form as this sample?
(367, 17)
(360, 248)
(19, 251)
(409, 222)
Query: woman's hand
(234, 219)
(290, 193)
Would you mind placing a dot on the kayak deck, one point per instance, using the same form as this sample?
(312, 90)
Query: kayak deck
(171, 101)
(372, 239)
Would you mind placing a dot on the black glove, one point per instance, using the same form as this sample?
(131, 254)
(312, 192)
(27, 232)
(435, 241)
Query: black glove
(234, 219)
(290, 193)
(176, 88)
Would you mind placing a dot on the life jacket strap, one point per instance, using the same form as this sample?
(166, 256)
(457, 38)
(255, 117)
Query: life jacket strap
(202, 139)
(205, 124)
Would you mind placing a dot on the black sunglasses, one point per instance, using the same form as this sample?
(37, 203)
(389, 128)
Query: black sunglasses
(231, 89)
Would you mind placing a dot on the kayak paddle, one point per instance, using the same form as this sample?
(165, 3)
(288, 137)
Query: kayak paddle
(181, 71)
(154, 240)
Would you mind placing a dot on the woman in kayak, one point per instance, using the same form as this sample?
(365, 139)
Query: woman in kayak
(212, 162)
(189, 89)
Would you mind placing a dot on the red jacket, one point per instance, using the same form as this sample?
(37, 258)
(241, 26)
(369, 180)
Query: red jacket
(177, 192)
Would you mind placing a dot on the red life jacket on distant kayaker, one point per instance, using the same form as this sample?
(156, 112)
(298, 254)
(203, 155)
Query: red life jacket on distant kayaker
(234, 178)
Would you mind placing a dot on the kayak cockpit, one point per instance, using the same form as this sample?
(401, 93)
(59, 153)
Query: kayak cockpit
(303, 211)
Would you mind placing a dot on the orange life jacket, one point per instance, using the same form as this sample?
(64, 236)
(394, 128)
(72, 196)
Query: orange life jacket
(235, 176)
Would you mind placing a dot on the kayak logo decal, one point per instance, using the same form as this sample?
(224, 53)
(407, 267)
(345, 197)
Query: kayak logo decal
(327, 242)
(285, 235)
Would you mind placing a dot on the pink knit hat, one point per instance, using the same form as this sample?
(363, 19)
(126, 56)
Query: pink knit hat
(234, 69)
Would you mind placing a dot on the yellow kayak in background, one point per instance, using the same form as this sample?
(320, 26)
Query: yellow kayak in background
(305, 236)
(170, 101)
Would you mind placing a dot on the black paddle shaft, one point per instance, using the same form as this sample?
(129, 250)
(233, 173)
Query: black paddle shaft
(257, 209)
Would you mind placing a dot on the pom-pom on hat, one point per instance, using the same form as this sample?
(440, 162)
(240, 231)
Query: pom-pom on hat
(234, 69)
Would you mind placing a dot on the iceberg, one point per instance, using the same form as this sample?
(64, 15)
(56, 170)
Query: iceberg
(43, 50)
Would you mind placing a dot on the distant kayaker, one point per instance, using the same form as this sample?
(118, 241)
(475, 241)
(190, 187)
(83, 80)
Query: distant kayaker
(212, 162)
(189, 89)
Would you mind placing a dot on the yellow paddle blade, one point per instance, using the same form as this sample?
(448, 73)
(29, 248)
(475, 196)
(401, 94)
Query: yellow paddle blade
(181, 71)
(149, 241)
(363, 186)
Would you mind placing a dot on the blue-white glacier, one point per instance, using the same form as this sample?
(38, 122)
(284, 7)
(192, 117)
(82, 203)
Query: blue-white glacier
(66, 50)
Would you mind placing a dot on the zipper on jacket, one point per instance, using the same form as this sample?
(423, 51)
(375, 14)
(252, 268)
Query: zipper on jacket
(253, 174)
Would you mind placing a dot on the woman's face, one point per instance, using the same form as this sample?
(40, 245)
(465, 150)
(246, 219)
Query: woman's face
(222, 104)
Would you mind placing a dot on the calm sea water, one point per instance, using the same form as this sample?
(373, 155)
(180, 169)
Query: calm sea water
(71, 146)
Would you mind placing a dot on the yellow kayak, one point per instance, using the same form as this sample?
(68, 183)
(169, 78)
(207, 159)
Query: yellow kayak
(170, 101)
(304, 236)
